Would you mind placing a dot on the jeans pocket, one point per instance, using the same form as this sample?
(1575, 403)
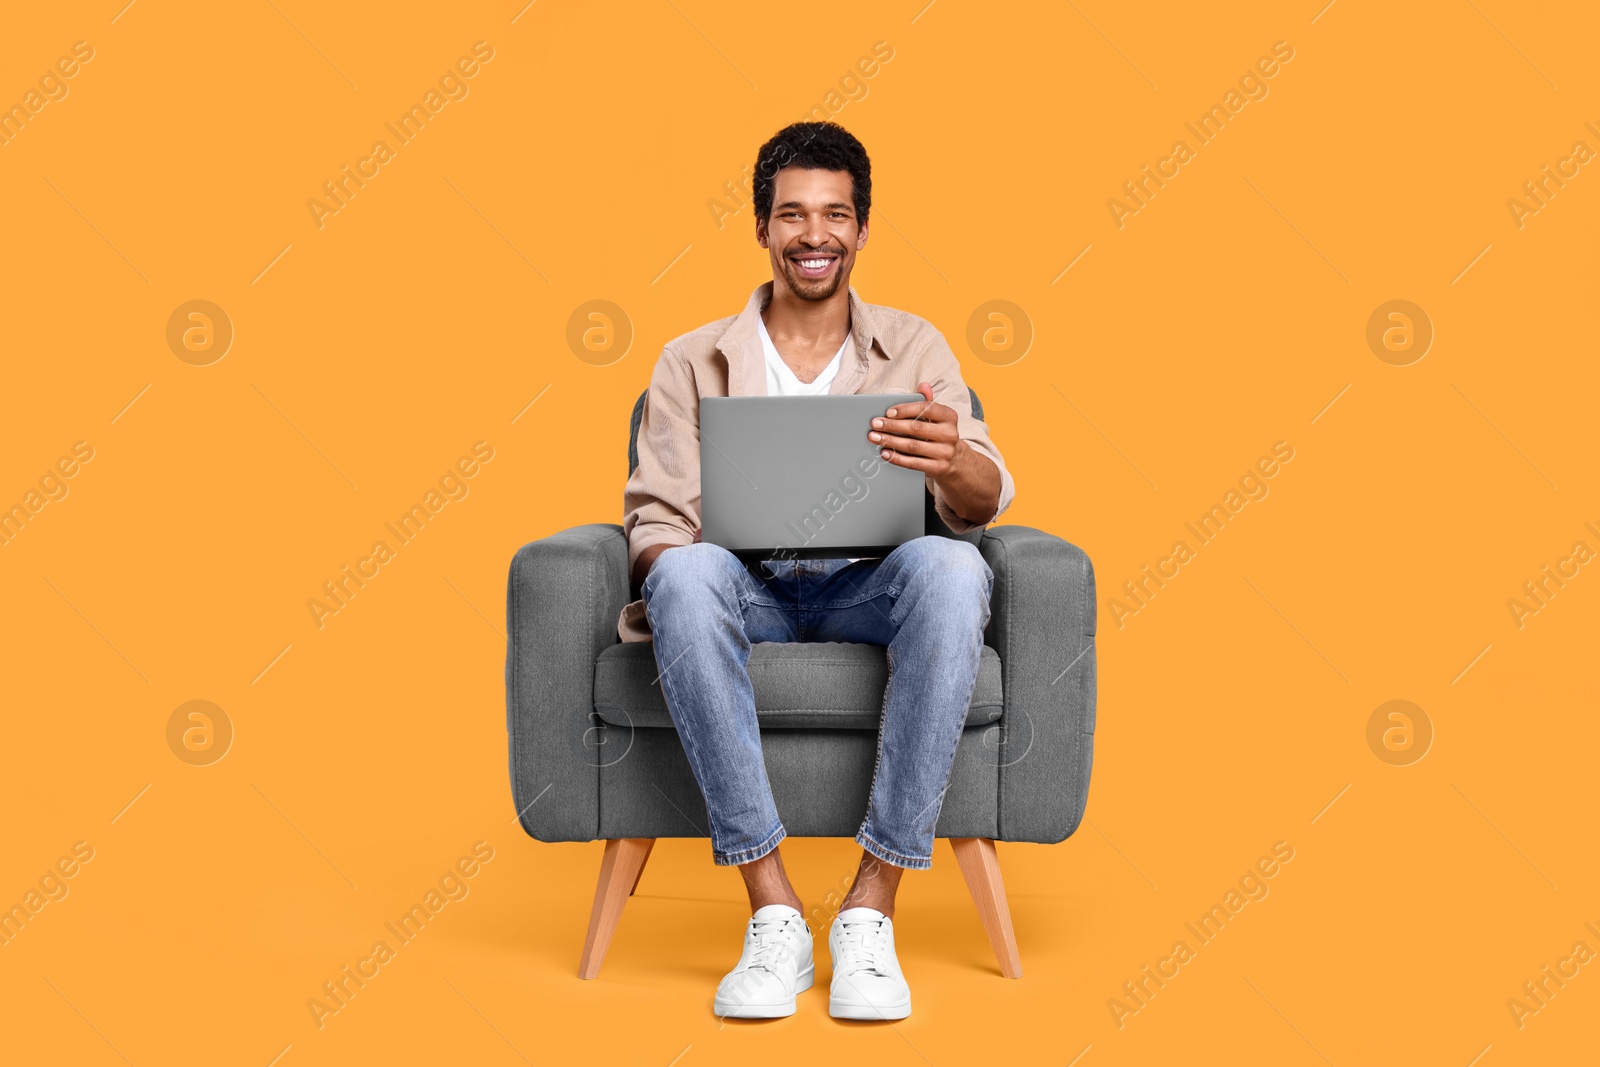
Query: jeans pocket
(760, 598)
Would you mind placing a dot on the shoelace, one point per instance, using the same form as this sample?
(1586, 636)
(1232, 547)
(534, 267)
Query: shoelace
(770, 946)
(860, 946)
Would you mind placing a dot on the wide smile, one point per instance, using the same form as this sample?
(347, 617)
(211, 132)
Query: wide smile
(813, 264)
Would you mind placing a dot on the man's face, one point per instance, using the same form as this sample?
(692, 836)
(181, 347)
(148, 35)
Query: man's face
(813, 234)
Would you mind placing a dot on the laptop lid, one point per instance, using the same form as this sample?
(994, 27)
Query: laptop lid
(794, 477)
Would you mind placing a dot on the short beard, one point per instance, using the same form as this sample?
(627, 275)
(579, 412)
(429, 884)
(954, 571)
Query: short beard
(794, 283)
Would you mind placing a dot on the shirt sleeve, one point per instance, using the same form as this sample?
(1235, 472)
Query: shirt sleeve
(661, 502)
(940, 369)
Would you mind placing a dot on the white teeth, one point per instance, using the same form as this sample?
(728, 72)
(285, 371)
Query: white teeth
(813, 264)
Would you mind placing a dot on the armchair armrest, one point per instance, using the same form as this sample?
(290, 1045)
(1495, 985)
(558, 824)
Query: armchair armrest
(1042, 623)
(562, 601)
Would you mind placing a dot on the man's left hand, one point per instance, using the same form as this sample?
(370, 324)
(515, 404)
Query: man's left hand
(922, 436)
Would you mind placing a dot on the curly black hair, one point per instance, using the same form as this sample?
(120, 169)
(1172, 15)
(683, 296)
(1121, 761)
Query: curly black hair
(814, 146)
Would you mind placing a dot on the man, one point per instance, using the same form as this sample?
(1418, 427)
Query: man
(927, 602)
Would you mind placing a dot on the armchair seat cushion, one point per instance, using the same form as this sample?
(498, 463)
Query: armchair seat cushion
(815, 685)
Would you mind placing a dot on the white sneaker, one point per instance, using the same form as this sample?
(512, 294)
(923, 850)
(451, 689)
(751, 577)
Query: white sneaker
(776, 964)
(867, 983)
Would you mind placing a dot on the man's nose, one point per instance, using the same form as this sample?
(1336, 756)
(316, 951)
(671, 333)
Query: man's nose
(816, 232)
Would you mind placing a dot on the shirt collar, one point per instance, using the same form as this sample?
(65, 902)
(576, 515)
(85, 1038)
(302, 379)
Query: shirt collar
(863, 325)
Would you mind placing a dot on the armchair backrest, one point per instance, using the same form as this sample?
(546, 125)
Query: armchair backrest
(934, 524)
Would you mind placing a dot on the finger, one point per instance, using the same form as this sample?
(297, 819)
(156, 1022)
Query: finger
(917, 447)
(934, 429)
(926, 389)
(915, 409)
(928, 405)
(922, 414)
(919, 463)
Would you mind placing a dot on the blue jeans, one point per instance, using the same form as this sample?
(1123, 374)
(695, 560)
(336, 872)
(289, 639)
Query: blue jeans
(927, 602)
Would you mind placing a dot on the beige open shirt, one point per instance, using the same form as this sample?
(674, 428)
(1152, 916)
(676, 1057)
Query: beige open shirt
(893, 351)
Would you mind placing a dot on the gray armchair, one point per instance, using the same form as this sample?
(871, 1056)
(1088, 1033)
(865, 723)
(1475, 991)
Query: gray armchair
(594, 755)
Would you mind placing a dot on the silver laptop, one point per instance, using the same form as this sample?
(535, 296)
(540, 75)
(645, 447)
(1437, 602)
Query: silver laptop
(794, 477)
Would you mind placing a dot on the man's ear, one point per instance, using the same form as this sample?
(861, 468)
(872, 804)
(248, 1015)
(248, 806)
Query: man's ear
(861, 238)
(761, 232)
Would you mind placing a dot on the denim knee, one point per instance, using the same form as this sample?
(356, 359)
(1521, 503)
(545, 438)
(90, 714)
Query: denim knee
(944, 559)
(690, 570)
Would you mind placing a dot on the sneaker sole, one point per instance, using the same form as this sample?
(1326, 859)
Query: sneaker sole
(869, 1012)
(779, 1010)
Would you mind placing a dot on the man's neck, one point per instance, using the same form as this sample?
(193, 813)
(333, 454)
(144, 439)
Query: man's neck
(808, 324)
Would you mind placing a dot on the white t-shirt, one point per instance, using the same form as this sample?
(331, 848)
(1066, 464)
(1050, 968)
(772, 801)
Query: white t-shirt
(781, 380)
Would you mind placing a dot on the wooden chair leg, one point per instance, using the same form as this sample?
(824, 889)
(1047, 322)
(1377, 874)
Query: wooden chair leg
(649, 844)
(619, 872)
(980, 865)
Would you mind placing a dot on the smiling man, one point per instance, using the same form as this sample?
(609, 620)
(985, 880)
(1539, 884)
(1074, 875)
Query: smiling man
(807, 332)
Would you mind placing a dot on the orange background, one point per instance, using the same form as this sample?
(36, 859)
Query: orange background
(431, 310)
